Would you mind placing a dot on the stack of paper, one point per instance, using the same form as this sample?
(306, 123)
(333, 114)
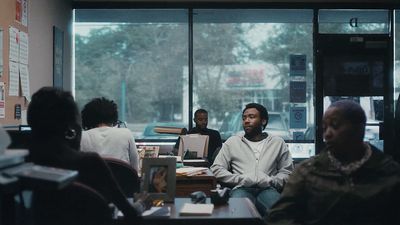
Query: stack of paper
(191, 171)
(170, 130)
(164, 211)
(190, 209)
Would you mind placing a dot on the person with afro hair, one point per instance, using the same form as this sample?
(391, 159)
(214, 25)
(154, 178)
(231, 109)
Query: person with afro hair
(99, 118)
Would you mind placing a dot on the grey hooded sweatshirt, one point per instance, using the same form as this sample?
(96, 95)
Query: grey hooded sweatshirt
(236, 164)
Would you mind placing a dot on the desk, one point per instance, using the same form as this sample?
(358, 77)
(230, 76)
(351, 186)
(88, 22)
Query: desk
(238, 211)
(188, 184)
(196, 162)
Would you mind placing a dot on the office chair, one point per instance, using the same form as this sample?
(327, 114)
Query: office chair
(76, 204)
(126, 176)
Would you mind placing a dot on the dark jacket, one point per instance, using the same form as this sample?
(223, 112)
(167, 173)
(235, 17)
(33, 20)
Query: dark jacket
(92, 169)
(317, 193)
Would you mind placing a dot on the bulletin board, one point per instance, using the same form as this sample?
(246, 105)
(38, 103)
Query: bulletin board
(14, 62)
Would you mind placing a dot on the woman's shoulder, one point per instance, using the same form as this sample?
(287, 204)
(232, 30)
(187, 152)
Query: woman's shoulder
(383, 162)
(122, 132)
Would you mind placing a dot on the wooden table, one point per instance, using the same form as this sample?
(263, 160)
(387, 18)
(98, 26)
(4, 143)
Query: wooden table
(188, 184)
(238, 211)
(196, 162)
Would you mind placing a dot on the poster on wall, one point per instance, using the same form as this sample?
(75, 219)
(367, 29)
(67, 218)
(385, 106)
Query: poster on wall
(14, 44)
(21, 12)
(23, 48)
(1, 52)
(24, 77)
(298, 117)
(298, 136)
(298, 91)
(2, 100)
(13, 88)
(23, 64)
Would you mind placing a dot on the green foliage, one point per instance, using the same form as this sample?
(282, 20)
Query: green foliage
(150, 59)
(153, 59)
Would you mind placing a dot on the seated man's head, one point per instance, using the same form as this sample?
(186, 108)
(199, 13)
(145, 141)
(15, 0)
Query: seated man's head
(254, 119)
(54, 113)
(201, 119)
(99, 112)
(343, 125)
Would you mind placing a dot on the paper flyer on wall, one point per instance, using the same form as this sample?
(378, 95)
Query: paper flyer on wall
(298, 91)
(14, 44)
(298, 117)
(18, 10)
(2, 100)
(297, 65)
(298, 136)
(21, 11)
(13, 88)
(24, 16)
(23, 47)
(24, 76)
(1, 52)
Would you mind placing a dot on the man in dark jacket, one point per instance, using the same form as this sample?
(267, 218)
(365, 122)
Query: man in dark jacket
(201, 121)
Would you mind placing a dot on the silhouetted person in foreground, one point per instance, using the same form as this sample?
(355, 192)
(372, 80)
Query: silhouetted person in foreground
(349, 183)
(56, 135)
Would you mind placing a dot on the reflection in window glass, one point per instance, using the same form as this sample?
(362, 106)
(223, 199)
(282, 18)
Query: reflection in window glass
(243, 56)
(138, 60)
(397, 56)
(353, 21)
(396, 81)
(373, 107)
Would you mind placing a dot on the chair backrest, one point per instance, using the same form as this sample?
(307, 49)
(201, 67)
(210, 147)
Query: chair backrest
(76, 204)
(126, 176)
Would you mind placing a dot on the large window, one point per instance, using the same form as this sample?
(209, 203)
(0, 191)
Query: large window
(160, 68)
(243, 56)
(137, 58)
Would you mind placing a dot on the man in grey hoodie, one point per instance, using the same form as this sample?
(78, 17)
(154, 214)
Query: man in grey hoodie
(256, 165)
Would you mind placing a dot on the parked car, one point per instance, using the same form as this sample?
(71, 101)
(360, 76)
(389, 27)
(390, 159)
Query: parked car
(371, 131)
(309, 134)
(277, 125)
(149, 133)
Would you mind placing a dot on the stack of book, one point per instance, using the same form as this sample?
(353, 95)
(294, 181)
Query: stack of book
(191, 171)
(190, 209)
(170, 130)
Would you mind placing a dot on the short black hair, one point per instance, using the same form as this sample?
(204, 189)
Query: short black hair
(200, 111)
(352, 111)
(261, 109)
(97, 111)
(51, 111)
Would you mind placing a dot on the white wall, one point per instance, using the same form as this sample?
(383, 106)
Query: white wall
(43, 15)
